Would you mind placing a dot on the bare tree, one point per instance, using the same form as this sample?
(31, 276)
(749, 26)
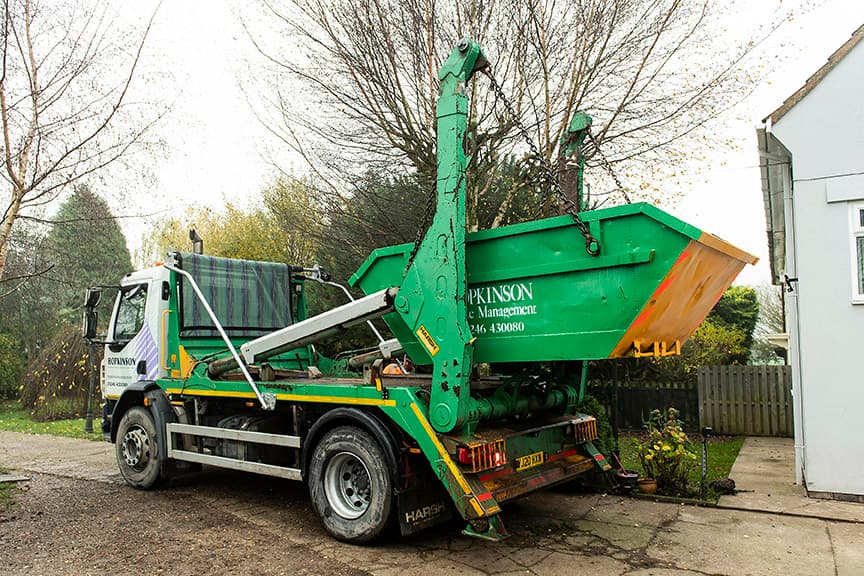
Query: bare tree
(771, 321)
(65, 112)
(357, 80)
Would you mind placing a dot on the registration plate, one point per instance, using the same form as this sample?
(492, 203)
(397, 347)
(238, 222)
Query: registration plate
(529, 461)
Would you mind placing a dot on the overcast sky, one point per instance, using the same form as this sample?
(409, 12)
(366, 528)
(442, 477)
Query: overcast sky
(216, 150)
(727, 199)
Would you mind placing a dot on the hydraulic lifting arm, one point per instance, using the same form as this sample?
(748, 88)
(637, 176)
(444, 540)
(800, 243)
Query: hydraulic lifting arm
(431, 299)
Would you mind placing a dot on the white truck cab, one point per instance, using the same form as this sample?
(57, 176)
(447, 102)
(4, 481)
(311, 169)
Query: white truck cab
(133, 341)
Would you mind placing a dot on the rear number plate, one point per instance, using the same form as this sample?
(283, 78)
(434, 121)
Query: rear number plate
(529, 461)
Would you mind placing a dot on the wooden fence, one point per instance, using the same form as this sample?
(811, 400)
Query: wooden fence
(628, 403)
(748, 400)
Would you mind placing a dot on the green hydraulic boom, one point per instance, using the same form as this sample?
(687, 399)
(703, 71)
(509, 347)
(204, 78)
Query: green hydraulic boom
(431, 298)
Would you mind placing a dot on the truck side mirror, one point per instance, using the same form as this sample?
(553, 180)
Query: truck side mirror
(88, 330)
(91, 300)
(93, 297)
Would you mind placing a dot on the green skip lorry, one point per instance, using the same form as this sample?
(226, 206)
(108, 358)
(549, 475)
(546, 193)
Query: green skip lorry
(212, 361)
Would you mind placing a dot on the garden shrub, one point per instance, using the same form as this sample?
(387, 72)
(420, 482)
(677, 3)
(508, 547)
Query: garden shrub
(57, 381)
(606, 442)
(11, 367)
(665, 453)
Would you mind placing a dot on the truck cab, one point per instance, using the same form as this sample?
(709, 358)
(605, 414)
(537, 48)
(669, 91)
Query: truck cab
(132, 341)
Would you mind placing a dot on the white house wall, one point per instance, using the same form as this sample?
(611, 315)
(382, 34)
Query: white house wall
(825, 134)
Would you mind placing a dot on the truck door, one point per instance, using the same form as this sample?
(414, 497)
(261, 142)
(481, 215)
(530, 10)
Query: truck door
(132, 352)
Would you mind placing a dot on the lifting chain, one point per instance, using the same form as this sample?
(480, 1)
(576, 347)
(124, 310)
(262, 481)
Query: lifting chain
(424, 224)
(608, 167)
(592, 246)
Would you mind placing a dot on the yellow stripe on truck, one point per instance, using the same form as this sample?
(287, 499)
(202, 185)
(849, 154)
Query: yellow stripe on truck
(287, 397)
(457, 474)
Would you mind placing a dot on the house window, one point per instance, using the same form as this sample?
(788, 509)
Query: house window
(858, 253)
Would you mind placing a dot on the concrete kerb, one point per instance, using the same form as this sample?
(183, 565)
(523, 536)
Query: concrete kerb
(12, 479)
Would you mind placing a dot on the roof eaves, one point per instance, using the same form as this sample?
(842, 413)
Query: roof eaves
(774, 160)
(816, 78)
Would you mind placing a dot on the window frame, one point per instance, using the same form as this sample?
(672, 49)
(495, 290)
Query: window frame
(140, 288)
(856, 236)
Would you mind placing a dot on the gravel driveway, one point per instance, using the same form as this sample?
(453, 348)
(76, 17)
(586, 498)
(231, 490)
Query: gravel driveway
(74, 517)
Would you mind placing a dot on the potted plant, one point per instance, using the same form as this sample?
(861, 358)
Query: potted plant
(664, 453)
(647, 485)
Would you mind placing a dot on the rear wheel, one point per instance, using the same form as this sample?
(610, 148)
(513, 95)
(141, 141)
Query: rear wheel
(137, 449)
(350, 485)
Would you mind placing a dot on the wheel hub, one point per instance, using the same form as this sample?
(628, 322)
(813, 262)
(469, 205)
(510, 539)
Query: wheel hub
(136, 448)
(347, 486)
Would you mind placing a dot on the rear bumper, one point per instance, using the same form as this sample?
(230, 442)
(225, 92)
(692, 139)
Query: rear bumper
(508, 484)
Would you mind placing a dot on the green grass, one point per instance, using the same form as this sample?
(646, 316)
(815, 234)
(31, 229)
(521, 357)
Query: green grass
(722, 452)
(7, 495)
(7, 492)
(16, 419)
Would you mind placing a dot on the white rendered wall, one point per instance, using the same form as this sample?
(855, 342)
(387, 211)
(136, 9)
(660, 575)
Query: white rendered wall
(825, 134)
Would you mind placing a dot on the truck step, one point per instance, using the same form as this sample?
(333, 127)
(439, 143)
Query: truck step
(238, 436)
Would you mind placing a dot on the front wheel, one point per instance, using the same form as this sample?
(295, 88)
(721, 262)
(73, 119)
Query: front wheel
(137, 449)
(350, 485)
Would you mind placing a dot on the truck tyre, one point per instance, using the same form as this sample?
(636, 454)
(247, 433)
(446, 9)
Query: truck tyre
(350, 485)
(137, 449)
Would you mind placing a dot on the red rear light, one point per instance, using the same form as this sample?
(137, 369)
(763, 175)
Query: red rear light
(465, 456)
(482, 456)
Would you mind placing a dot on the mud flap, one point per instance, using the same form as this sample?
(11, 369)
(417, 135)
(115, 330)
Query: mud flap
(424, 504)
(419, 510)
